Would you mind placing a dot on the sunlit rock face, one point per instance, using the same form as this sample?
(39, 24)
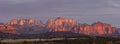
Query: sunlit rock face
(61, 24)
(13, 22)
(17, 22)
(103, 28)
(31, 21)
(10, 28)
(24, 22)
(58, 24)
(27, 25)
(4, 27)
(86, 29)
(97, 28)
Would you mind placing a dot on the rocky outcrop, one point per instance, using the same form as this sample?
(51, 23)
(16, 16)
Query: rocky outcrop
(24, 22)
(86, 29)
(13, 22)
(98, 28)
(4, 27)
(57, 25)
(63, 24)
(26, 25)
(103, 28)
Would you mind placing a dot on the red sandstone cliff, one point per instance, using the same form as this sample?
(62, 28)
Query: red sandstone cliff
(63, 24)
(58, 24)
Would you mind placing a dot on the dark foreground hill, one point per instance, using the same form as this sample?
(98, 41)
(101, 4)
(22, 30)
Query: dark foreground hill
(43, 35)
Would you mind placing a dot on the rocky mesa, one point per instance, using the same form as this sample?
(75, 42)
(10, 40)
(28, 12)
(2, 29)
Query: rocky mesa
(31, 26)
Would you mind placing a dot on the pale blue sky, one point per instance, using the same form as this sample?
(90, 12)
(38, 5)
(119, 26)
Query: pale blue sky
(84, 11)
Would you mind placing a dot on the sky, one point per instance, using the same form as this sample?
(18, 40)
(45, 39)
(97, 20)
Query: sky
(84, 11)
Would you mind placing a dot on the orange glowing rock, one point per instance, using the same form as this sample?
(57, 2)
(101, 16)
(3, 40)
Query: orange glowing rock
(22, 22)
(14, 21)
(63, 24)
(31, 21)
(2, 27)
(10, 28)
(103, 28)
(60, 23)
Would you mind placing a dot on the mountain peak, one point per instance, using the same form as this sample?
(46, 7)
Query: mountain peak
(57, 25)
(60, 18)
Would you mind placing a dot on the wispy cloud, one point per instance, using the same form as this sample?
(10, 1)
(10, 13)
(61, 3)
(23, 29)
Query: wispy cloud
(16, 1)
(84, 10)
(114, 3)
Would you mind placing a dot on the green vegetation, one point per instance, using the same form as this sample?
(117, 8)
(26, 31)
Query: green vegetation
(86, 40)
